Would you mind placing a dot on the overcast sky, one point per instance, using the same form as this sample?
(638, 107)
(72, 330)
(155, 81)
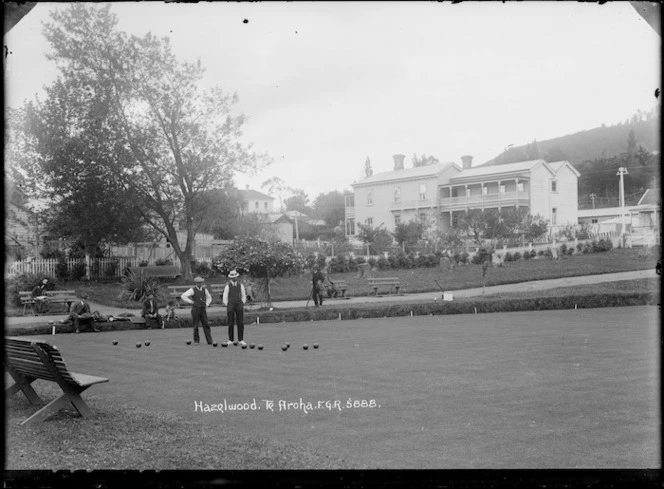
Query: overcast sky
(324, 85)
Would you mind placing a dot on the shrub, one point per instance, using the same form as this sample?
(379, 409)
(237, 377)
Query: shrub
(540, 253)
(137, 286)
(371, 261)
(509, 257)
(61, 270)
(603, 245)
(579, 247)
(164, 261)
(527, 255)
(483, 254)
(382, 263)
(202, 268)
(516, 256)
(464, 257)
(143, 263)
(77, 271)
(548, 253)
(563, 249)
(570, 251)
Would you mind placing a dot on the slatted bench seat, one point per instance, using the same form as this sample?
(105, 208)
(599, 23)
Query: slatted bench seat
(175, 293)
(342, 285)
(64, 297)
(28, 360)
(391, 282)
(157, 271)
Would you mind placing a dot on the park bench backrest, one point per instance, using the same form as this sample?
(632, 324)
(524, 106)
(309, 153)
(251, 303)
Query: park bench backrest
(383, 280)
(24, 357)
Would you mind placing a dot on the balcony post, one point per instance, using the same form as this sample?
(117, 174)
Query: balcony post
(467, 198)
(517, 193)
(499, 195)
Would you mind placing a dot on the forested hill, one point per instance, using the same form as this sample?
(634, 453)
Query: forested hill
(605, 141)
(598, 153)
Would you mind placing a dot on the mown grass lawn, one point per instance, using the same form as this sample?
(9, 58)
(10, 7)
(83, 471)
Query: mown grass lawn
(461, 277)
(546, 389)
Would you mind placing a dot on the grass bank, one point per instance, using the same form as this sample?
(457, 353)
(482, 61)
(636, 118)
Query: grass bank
(423, 279)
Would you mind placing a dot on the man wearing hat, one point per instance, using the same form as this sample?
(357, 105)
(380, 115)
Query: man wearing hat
(81, 315)
(151, 312)
(200, 298)
(234, 298)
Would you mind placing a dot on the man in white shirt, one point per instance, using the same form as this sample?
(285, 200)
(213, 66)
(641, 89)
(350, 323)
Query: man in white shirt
(234, 298)
(200, 298)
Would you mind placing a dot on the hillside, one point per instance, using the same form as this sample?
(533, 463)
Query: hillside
(605, 141)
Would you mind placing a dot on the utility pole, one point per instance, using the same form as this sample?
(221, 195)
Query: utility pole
(622, 171)
(592, 197)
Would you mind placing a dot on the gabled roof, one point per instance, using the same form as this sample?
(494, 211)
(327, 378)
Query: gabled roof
(277, 217)
(652, 196)
(521, 167)
(557, 165)
(427, 171)
(253, 194)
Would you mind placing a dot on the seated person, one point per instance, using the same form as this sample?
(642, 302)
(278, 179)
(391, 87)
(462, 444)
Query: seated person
(81, 316)
(151, 312)
(170, 310)
(39, 296)
(330, 287)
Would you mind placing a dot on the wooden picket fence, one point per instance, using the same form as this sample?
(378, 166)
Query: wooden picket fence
(76, 269)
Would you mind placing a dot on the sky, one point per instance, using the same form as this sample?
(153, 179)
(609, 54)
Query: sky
(324, 85)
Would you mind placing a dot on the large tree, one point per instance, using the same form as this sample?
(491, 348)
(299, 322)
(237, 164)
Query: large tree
(331, 207)
(138, 118)
(298, 201)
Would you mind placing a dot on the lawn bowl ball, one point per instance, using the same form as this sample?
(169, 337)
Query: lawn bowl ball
(115, 342)
(235, 343)
(315, 346)
(214, 344)
(138, 345)
(189, 342)
(284, 347)
(147, 343)
(224, 344)
(305, 347)
(260, 347)
(287, 345)
(244, 347)
(252, 346)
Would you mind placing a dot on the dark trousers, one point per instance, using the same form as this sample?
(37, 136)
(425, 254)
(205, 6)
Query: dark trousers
(318, 296)
(235, 313)
(154, 322)
(88, 323)
(199, 314)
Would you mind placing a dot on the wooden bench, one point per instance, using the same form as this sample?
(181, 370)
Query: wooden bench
(342, 285)
(28, 360)
(391, 282)
(175, 293)
(64, 297)
(157, 271)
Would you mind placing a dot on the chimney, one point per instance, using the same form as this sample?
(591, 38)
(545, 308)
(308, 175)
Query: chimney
(398, 162)
(466, 162)
(246, 187)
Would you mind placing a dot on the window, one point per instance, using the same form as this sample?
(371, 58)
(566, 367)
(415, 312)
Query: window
(350, 201)
(502, 189)
(423, 216)
(485, 190)
(350, 227)
(520, 187)
(256, 205)
(265, 205)
(397, 194)
(467, 192)
(423, 191)
(554, 215)
(397, 219)
(370, 222)
(554, 186)
(370, 197)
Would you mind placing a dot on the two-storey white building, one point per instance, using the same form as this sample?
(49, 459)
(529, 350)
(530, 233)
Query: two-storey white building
(446, 191)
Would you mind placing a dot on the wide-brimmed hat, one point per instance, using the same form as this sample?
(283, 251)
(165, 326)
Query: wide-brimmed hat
(84, 295)
(199, 279)
(233, 274)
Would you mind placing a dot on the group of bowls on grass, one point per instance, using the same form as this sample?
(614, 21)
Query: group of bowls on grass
(284, 347)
